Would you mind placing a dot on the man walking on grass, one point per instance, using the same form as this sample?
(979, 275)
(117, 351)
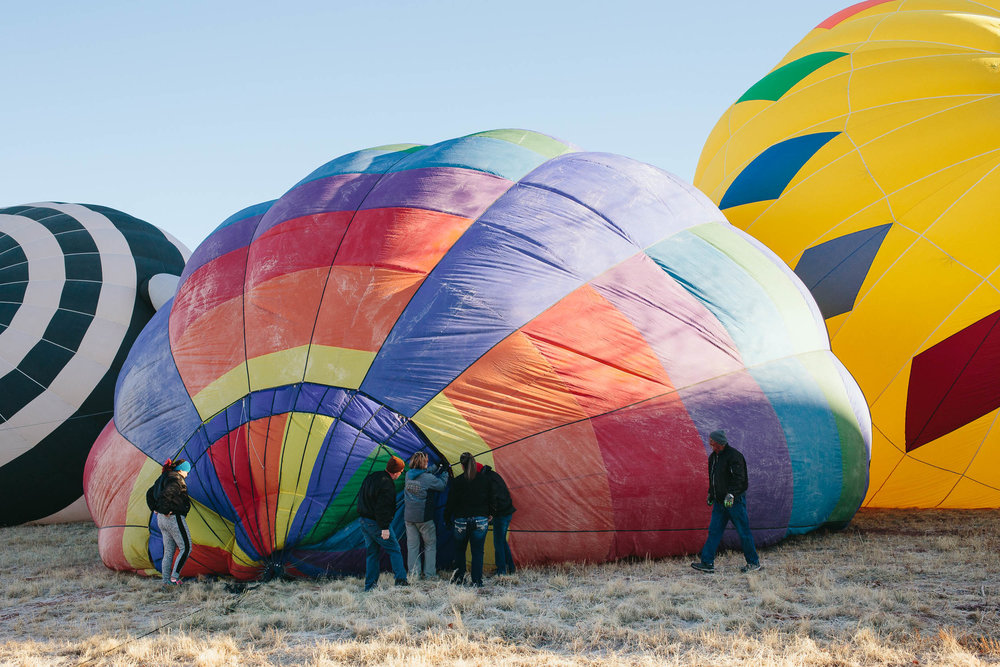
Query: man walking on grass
(727, 487)
(376, 508)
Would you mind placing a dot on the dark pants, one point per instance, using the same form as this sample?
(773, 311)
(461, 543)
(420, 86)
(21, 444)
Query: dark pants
(470, 530)
(373, 542)
(720, 517)
(505, 561)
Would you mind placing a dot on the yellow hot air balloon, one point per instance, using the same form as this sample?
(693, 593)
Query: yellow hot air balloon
(869, 160)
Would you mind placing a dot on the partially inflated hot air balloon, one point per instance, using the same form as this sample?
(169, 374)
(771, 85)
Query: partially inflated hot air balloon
(868, 160)
(77, 284)
(580, 321)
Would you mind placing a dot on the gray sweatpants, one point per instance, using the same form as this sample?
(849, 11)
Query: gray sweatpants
(176, 536)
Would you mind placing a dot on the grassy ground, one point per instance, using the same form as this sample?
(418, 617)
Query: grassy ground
(894, 588)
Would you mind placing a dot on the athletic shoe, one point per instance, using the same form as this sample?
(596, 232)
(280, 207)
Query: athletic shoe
(402, 582)
(750, 567)
(702, 567)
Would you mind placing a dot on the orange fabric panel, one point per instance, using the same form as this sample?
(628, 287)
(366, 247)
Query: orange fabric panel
(606, 364)
(281, 312)
(209, 287)
(210, 346)
(266, 437)
(558, 483)
(361, 304)
(408, 239)
(512, 392)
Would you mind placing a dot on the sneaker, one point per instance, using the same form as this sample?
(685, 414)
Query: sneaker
(702, 567)
(457, 578)
(176, 581)
(402, 582)
(750, 567)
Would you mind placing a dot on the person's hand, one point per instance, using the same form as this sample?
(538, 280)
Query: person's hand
(385, 534)
(728, 502)
(710, 501)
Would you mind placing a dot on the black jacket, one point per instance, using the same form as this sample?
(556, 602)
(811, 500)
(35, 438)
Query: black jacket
(727, 473)
(174, 497)
(377, 499)
(501, 504)
(470, 498)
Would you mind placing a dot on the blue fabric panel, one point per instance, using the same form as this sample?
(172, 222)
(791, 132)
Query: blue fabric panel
(770, 172)
(736, 299)
(235, 232)
(834, 271)
(309, 397)
(158, 422)
(284, 399)
(237, 414)
(203, 482)
(486, 154)
(534, 246)
(261, 404)
(806, 419)
(368, 161)
(216, 427)
(334, 401)
(384, 426)
(359, 411)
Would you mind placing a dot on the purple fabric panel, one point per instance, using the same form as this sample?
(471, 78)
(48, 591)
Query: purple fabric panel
(343, 192)
(222, 241)
(691, 344)
(462, 192)
(736, 404)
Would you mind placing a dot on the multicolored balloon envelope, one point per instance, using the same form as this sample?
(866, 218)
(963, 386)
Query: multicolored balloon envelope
(580, 321)
(77, 284)
(868, 160)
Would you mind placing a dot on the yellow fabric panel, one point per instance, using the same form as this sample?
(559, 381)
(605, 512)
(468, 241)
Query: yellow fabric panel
(955, 451)
(135, 540)
(914, 484)
(221, 393)
(211, 530)
(450, 434)
(970, 494)
(889, 407)
(277, 368)
(338, 366)
(929, 200)
(833, 324)
(985, 467)
(885, 458)
(968, 231)
(891, 321)
(942, 27)
(982, 301)
(304, 435)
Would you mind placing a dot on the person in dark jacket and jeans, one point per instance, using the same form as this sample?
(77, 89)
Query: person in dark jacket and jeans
(419, 504)
(468, 512)
(502, 511)
(727, 487)
(172, 508)
(376, 508)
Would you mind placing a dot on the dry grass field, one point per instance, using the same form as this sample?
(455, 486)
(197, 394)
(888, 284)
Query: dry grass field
(893, 588)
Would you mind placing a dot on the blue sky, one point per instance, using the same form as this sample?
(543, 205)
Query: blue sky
(181, 113)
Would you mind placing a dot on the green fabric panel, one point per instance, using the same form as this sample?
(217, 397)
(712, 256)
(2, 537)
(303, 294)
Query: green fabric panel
(853, 452)
(539, 143)
(343, 508)
(781, 80)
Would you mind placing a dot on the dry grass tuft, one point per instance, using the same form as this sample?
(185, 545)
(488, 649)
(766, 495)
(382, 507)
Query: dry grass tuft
(894, 588)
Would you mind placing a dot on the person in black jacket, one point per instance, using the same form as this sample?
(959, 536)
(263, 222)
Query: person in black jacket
(502, 511)
(376, 508)
(470, 499)
(172, 507)
(727, 487)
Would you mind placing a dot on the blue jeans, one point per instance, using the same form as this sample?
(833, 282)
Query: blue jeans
(470, 530)
(373, 540)
(720, 517)
(505, 561)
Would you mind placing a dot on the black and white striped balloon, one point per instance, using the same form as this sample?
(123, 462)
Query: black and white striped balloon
(77, 285)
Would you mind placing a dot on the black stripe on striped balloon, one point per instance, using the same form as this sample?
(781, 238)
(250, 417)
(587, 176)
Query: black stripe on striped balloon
(69, 324)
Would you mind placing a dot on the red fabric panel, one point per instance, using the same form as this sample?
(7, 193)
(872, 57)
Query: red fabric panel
(953, 383)
(407, 239)
(247, 462)
(208, 288)
(205, 560)
(211, 346)
(559, 486)
(845, 14)
(657, 471)
(295, 245)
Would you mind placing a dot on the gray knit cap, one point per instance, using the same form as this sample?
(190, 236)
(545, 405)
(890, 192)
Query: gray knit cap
(719, 436)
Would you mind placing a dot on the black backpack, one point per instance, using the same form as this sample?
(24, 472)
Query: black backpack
(154, 493)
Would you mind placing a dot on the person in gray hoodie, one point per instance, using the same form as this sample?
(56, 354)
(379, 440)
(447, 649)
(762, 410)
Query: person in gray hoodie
(419, 504)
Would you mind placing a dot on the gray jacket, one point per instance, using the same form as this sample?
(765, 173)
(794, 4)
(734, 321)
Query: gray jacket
(420, 494)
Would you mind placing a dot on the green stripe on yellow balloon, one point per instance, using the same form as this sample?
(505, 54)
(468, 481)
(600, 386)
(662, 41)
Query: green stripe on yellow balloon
(781, 80)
